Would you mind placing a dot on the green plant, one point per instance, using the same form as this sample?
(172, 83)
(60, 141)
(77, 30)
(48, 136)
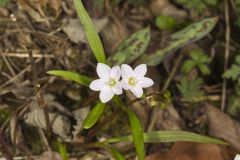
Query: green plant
(197, 5)
(190, 89)
(234, 72)
(236, 7)
(136, 2)
(165, 22)
(171, 43)
(128, 51)
(3, 3)
(198, 60)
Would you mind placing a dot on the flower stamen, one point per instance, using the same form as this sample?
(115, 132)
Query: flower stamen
(132, 81)
(111, 82)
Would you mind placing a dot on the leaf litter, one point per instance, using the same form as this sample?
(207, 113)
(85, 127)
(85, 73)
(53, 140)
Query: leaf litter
(58, 42)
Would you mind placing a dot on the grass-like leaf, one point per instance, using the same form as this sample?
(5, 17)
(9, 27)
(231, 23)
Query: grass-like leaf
(137, 134)
(177, 40)
(116, 154)
(94, 115)
(170, 136)
(3, 3)
(90, 32)
(81, 79)
(63, 150)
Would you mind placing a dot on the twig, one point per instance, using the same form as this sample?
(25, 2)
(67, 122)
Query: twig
(153, 116)
(26, 55)
(4, 148)
(227, 50)
(44, 139)
(15, 77)
(7, 63)
(173, 72)
(39, 96)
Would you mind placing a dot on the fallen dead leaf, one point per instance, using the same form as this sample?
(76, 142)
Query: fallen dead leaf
(75, 32)
(223, 126)
(164, 7)
(114, 33)
(195, 151)
(50, 155)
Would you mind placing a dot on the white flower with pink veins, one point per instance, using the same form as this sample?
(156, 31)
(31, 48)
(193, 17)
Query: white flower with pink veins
(237, 157)
(109, 83)
(134, 80)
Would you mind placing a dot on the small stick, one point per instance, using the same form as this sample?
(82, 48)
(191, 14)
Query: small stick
(7, 63)
(173, 72)
(4, 148)
(153, 116)
(39, 96)
(227, 50)
(26, 55)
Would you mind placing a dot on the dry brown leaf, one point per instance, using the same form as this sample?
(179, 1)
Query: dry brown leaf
(223, 126)
(75, 32)
(50, 155)
(164, 7)
(60, 123)
(55, 5)
(194, 151)
(34, 14)
(34, 9)
(114, 33)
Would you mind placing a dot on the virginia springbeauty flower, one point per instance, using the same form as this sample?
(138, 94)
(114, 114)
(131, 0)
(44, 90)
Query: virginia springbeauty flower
(109, 83)
(134, 80)
(237, 157)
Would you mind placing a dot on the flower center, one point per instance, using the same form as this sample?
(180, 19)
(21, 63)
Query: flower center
(111, 82)
(132, 81)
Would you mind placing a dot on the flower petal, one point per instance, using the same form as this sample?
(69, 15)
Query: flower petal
(137, 91)
(125, 84)
(103, 70)
(127, 71)
(140, 70)
(106, 94)
(145, 82)
(97, 85)
(115, 72)
(237, 157)
(117, 89)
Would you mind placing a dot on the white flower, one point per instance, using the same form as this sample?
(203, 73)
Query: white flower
(134, 79)
(237, 157)
(108, 83)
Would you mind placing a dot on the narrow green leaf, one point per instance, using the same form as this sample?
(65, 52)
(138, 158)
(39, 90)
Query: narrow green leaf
(116, 154)
(132, 47)
(94, 115)
(90, 32)
(63, 151)
(171, 136)
(137, 134)
(81, 79)
(177, 40)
